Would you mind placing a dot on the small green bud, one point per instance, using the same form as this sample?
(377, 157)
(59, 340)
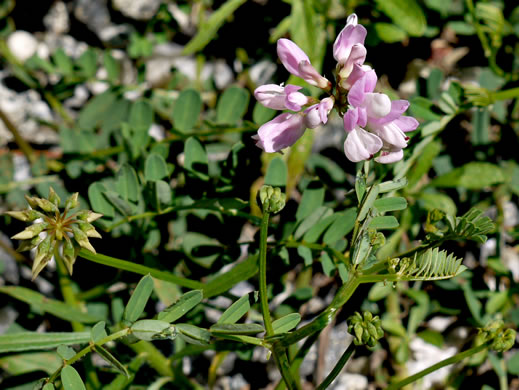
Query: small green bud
(43, 256)
(30, 231)
(82, 239)
(46, 205)
(272, 199)
(88, 216)
(72, 201)
(366, 328)
(70, 253)
(19, 215)
(27, 245)
(53, 197)
(32, 201)
(504, 341)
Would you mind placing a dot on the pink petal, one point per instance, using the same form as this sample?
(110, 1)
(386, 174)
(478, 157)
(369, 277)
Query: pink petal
(281, 132)
(291, 55)
(312, 117)
(407, 123)
(350, 119)
(271, 96)
(398, 107)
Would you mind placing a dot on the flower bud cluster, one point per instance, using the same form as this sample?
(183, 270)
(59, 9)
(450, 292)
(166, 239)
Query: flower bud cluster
(365, 328)
(55, 231)
(502, 339)
(272, 199)
(372, 121)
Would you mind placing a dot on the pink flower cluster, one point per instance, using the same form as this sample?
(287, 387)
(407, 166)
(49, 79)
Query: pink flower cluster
(372, 121)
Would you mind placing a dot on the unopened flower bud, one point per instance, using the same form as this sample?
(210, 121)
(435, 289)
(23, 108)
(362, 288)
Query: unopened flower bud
(88, 216)
(82, 239)
(69, 255)
(72, 201)
(367, 330)
(46, 205)
(272, 199)
(27, 245)
(30, 231)
(53, 197)
(43, 255)
(504, 341)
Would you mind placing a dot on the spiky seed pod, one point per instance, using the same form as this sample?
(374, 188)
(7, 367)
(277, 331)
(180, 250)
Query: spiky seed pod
(64, 233)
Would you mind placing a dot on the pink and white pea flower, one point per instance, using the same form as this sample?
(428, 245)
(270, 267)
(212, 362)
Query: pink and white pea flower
(281, 132)
(348, 48)
(369, 104)
(318, 113)
(297, 62)
(280, 98)
(361, 145)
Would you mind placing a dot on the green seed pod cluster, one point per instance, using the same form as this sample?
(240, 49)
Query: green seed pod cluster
(272, 199)
(502, 339)
(62, 233)
(365, 328)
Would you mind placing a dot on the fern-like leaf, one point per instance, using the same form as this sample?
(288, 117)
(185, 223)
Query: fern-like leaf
(432, 264)
(473, 225)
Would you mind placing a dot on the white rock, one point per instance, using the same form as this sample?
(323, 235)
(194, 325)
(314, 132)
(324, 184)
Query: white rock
(157, 132)
(137, 9)
(80, 97)
(70, 46)
(57, 19)
(94, 13)
(349, 381)
(425, 355)
(22, 45)
(262, 72)
(223, 75)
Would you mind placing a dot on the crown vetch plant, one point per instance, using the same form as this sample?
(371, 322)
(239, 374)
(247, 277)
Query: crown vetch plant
(149, 193)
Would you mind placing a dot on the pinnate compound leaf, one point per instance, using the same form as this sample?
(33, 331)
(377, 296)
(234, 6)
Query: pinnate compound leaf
(238, 329)
(341, 226)
(390, 204)
(42, 303)
(472, 176)
(236, 311)
(139, 298)
(184, 304)
(71, 379)
(286, 323)
(152, 330)
(155, 167)
(187, 110)
(195, 159)
(27, 341)
(406, 14)
(106, 355)
(232, 105)
(98, 331)
(193, 334)
(384, 222)
(209, 28)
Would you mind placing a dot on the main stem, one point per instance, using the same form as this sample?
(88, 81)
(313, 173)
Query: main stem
(338, 367)
(279, 353)
(66, 287)
(263, 274)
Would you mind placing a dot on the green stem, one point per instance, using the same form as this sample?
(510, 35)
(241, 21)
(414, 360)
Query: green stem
(66, 288)
(446, 362)
(279, 353)
(323, 319)
(86, 350)
(506, 94)
(154, 357)
(20, 141)
(263, 275)
(139, 269)
(338, 367)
